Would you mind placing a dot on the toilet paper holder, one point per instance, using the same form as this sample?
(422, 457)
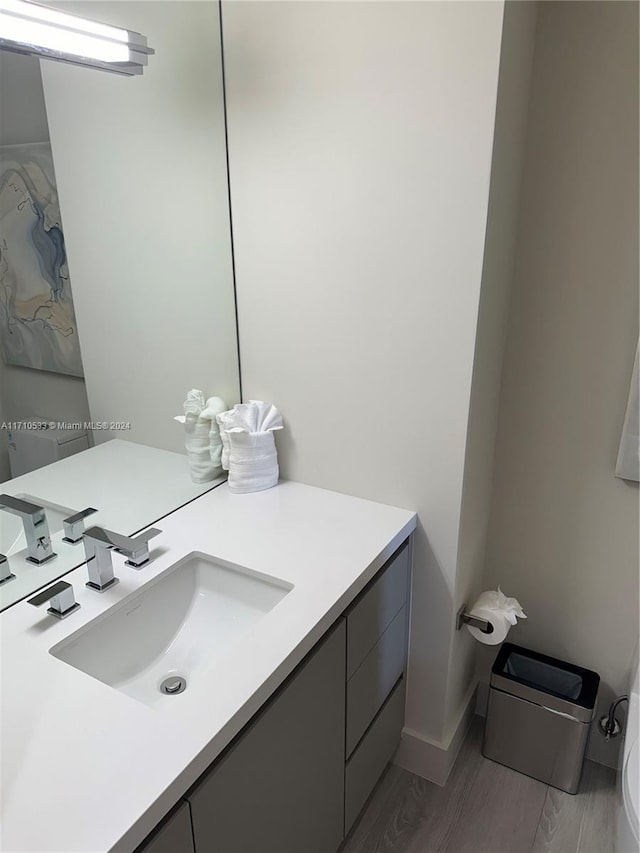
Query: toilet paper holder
(464, 618)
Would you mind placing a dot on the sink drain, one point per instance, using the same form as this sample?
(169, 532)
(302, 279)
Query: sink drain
(173, 685)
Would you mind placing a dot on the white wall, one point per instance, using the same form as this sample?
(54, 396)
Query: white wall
(25, 392)
(141, 171)
(564, 531)
(509, 145)
(360, 150)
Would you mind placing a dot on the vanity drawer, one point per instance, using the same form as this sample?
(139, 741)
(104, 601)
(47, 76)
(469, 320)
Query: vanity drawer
(372, 682)
(376, 608)
(374, 752)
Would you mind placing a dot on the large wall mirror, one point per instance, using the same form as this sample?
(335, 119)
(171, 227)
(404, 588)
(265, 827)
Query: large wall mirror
(139, 168)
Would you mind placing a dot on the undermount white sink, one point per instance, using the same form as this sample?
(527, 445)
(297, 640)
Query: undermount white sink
(12, 538)
(176, 625)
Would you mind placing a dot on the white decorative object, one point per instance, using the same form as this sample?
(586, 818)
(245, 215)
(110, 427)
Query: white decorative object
(500, 612)
(201, 435)
(628, 462)
(252, 457)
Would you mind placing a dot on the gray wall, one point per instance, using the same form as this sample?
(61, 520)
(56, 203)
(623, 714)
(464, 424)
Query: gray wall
(564, 531)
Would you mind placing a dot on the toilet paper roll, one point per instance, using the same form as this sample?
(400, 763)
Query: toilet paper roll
(497, 620)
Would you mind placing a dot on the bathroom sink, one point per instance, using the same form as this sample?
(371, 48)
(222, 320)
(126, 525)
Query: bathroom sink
(156, 642)
(12, 539)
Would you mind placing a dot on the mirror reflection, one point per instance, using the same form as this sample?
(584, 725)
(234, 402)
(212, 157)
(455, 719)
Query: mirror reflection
(41, 372)
(116, 281)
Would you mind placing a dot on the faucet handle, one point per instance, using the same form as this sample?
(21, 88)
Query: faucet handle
(137, 549)
(5, 571)
(74, 525)
(61, 598)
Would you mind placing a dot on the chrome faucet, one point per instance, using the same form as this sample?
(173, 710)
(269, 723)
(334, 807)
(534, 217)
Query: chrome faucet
(36, 529)
(98, 544)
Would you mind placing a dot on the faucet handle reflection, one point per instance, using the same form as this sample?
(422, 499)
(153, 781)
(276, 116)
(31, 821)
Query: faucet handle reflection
(74, 525)
(5, 570)
(98, 543)
(36, 528)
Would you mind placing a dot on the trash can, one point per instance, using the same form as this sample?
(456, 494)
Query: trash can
(539, 716)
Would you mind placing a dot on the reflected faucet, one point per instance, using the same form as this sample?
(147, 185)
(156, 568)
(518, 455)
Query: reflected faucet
(36, 528)
(98, 543)
(5, 571)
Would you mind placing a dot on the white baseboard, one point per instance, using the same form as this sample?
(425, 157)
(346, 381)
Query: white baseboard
(432, 760)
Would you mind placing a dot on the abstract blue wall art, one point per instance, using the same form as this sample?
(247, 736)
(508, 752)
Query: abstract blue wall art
(37, 320)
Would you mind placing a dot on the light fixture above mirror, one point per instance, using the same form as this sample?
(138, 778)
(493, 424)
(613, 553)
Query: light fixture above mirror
(30, 28)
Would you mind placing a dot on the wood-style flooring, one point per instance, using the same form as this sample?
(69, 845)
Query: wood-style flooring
(486, 808)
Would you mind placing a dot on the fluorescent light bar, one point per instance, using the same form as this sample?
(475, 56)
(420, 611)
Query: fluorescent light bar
(27, 27)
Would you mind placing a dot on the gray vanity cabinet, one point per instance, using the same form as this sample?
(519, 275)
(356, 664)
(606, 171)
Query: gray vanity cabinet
(173, 835)
(280, 786)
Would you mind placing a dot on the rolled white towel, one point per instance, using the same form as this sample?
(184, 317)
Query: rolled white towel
(253, 462)
(249, 446)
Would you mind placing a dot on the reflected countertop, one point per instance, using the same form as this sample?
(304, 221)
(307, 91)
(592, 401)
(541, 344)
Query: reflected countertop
(131, 485)
(88, 768)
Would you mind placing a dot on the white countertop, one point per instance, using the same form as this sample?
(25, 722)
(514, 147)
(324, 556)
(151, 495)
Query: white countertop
(87, 768)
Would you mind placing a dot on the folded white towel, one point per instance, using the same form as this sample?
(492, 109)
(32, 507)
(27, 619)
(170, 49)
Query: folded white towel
(201, 435)
(250, 451)
(214, 406)
(221, 420)
(256, 416)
